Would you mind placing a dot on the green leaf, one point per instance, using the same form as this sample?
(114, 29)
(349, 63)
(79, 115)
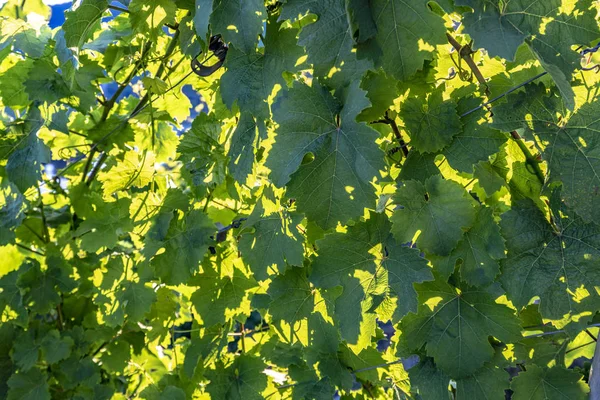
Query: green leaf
(31, 385)
(291, 296)
(479, 252)
(26, 351)
(456, 329)
(381, 91)
(11, 212)
(239, 22)
(137, 298)
(54, 348)
(439, 208)
(571, 146)
(419, 167)
(556, 263)
(220, 297)
(44, 83)
(243, 143)
(80, 25)
(104, 223)
(243, 379)
(148, 16)
(428, 381)
(323, 349)
(548, 383)
(251, 75)
(330, 31)
(401, 27)
(489, 382)
(550, 31)
(38, 287)
(203, 10)
(431, 122)
(185, 244)
(476, 142)
(270, 238)
(10, 296)
(367, 264)
(361, 21)
(336, 185)
(25, 159)
(23, 36)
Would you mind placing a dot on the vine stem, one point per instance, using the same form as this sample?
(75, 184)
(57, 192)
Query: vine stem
(465, 53)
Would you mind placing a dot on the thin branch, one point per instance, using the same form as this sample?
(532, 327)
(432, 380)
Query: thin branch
(487, 103)
(556, 332)
(29, 249)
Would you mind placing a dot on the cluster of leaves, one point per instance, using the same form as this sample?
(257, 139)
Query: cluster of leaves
(343, 175)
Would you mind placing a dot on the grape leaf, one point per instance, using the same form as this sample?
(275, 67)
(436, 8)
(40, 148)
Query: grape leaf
(148, 16)
(336, 185)
(401, 26)
(103, 226)
(330, 31)
(185, 244)
(275, 240)
(456, 330)
(80, 24)
(439, 208)
(203, 10)
(323, 349)
(220, 297)
(428, 381)
(136, 298)
(251, 76)
(479, 252)
(548, 383)
(243, 143)
(570, 149)
(31, 385)
(38, 287)
(11, 212)
(291, 295)
(245, 16)
(25, 159)
(431, 122)
(476, 142)
(242, 380)
(558, 263)
(419, 167)
(367, 263)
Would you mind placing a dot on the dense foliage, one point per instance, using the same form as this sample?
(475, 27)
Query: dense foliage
(354, 165)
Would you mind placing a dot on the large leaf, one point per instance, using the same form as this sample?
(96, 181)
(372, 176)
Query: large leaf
(239, 22)
(440, 209)
(556, 262)
(251, 76)
(337, 185)
(270, 238)
(431, 122)
(571, 147)
(548, 383)
(402, 27)
(455, 330)
(80, 25)
(368, 264)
